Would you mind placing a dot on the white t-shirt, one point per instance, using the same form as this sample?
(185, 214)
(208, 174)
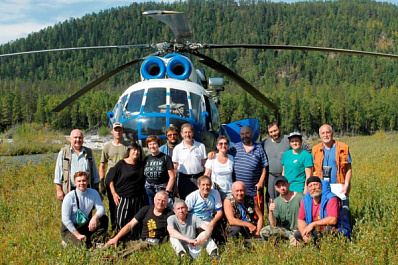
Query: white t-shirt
(221, 173)
(204, 209)
(189, 160)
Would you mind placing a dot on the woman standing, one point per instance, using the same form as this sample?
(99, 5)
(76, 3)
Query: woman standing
(158, 170)
(128, 187)
(297, 164)
(83, 199)
(220, 168)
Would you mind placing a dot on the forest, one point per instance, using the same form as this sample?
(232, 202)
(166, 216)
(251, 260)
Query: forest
(355, 94)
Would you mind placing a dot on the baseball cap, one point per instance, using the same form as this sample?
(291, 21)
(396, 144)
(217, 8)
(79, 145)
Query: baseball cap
(280, 178)
(117, 124)
(294, 134)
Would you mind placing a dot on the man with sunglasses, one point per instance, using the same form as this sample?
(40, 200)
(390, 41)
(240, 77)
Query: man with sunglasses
(172, 141)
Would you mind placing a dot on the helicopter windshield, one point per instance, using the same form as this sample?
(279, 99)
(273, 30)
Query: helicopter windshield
(135, 100)
(156, 98)
(179, 103)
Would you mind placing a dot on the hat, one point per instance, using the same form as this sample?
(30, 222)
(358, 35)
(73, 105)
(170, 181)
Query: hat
(280, 178)
(313, 179)
(117, 124)
(295, 134)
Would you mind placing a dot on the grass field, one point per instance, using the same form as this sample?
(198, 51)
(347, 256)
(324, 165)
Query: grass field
(30, 219)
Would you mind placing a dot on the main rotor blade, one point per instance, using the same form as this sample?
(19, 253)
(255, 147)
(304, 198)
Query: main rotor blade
(301, 48)
(177, 21)
(138, 46)
(93, 84)
(238, 79)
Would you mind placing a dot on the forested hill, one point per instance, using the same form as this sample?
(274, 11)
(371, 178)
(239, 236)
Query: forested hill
(355, 94)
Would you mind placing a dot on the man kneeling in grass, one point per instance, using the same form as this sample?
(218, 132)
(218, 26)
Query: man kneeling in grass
(283, 212)
(153, 220)
(183, 228)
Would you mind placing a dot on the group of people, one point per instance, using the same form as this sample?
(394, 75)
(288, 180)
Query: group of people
(201, 199)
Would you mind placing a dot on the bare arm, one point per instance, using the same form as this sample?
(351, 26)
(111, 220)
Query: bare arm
(283, 170)
(207, 172)
(308, 173)
(60, 192)
(172, 180)
(122, 233)
(271, 216)
(201, 240)
(347, 182)
(301, 224)
(330, 220)
(229, 214)
(216, 218)
(260, 183)
(116, 197)
(177, 235)
(101, 172)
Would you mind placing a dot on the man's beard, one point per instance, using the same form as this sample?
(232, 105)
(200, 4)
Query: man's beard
(316, 194)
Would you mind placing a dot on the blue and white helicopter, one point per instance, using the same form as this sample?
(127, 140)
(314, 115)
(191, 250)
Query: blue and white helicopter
(172, 91)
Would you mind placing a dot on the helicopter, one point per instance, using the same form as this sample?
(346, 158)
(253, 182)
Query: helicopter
(173, 92)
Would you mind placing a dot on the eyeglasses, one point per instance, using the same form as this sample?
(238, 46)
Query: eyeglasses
(172, 134)
(223, 143)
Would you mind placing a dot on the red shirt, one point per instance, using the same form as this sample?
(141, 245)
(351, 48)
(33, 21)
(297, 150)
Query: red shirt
(332, 208)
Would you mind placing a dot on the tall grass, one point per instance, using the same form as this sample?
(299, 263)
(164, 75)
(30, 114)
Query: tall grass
(32, 138)
(30, 219)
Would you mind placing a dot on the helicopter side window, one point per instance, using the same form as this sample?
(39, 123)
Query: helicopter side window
(155, 100)
(135, 101)
(196, 106)
(215, 120)
(179, 103)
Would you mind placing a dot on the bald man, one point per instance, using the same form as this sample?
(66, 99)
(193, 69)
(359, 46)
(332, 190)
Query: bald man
(72, 159)
(239, 209)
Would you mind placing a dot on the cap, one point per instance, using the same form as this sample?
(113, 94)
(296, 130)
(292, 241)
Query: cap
(280, 178)
(117, 124)
(313, 179)
(294, 134)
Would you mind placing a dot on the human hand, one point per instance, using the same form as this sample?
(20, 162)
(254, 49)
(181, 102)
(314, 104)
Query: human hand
(112, 242)
(211, 155)
(271, 205)
(252, 228)
(116, 198)
(93, 224)
(60, 195)
(81, 237)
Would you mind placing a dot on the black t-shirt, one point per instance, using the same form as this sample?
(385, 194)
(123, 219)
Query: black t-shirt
(156, 168)
(129, 180)
(153, 226)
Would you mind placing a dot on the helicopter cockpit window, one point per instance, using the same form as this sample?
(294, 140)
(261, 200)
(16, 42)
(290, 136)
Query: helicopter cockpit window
(196, 106)
(155, 100)
(135, 101)
(179, 103)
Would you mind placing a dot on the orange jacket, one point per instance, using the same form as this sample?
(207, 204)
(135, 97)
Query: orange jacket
(341, 160)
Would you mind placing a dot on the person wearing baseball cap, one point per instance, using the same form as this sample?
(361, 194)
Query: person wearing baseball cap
(283, 212)
(297, 163)
(111, 154)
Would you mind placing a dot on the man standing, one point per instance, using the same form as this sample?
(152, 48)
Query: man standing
(206, 204)
(152, 219)
(72, 159)
(172, 141)
(274, 147)
(182, 228)
(283, 212)
(239, 209)
(112, 153)
(250, 164)
(332, 160)
(319, 212)
(189, 158)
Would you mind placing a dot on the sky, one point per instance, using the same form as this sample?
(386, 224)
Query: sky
(18, 18)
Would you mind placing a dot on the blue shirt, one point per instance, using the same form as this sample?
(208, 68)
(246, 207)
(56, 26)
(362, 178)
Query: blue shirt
(204, 209)
(248, 166)
(329, 159)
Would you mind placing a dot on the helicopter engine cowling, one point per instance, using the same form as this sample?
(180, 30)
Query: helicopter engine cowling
(153, 68)
(179, 67)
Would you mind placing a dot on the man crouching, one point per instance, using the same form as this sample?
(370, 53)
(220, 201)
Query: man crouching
(319, 211)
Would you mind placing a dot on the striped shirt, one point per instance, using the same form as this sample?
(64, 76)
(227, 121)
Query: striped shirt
(248, 166)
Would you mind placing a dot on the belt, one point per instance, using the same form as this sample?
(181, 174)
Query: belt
(192, 176)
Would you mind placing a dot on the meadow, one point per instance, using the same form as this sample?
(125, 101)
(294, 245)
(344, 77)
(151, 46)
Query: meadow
(30, 219)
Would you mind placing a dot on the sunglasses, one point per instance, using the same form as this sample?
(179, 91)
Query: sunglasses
(223, 143)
